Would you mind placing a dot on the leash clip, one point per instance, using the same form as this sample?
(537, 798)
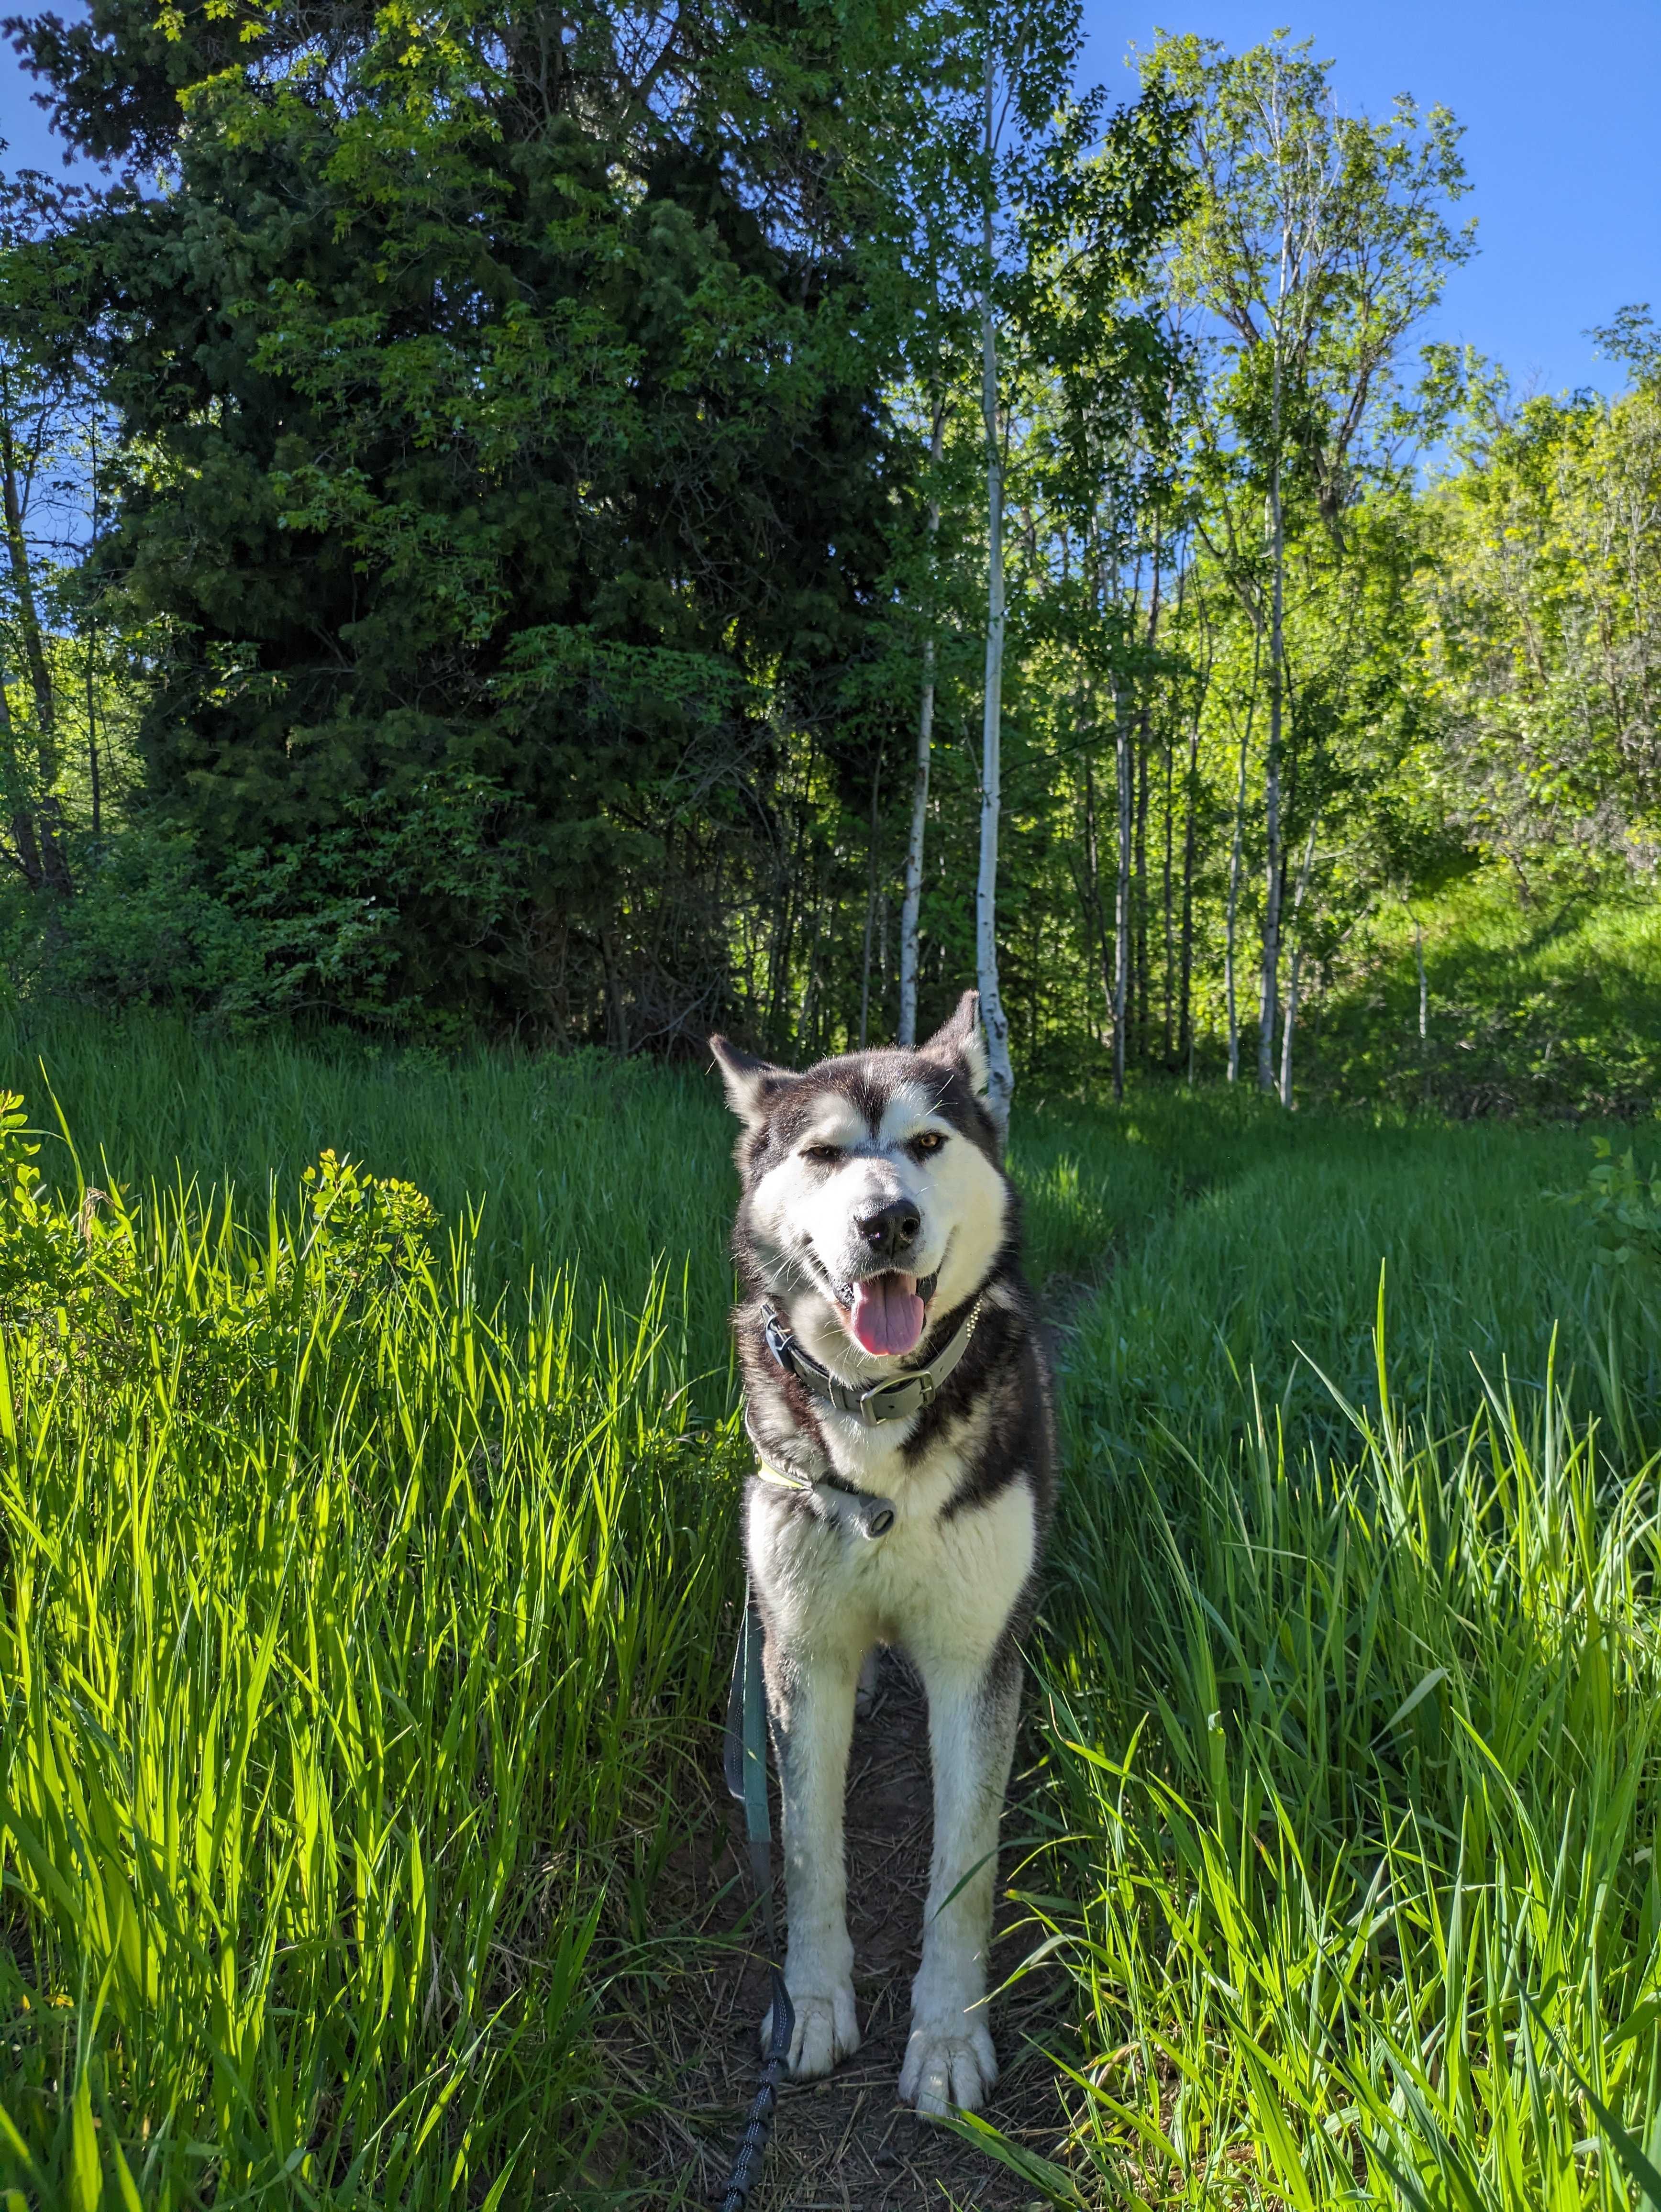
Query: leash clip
(780, 1341)
(871, 1517)
(855, 1511)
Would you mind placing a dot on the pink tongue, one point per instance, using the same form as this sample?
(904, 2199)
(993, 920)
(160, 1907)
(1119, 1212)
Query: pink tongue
(887, 1315)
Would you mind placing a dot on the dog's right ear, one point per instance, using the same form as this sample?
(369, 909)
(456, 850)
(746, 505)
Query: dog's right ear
(959, 1042)
(752, 1085)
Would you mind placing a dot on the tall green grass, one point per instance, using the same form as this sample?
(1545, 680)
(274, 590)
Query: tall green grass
(612, 1164)
(355, 1646)
(1350, 1725)
(616, 1165)
(1357, 1769)
(364, 1572)
(1271, 1272)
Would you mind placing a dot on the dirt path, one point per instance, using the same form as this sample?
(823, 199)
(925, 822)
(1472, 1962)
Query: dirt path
(844, 2144)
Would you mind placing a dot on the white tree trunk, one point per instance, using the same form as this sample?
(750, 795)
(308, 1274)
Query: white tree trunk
(1231, 939)
(1423, 1010)
(50, 828)
(1289, 1024)
(870, 909)
(1424, 985)
(1121, 892)
(911, 902)
(1271, 979)
(1236, 863)
(1000, 1084)
(1301, 886)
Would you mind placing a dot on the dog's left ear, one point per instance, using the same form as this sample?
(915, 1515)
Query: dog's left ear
(752, 1085)
(960, 1044)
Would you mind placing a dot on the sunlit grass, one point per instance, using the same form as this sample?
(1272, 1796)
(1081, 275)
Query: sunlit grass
(355, 1644)
(367, 1578)
(1541, 997)
(1359, 1792)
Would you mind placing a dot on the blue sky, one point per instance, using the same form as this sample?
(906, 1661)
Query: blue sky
(1562, 116)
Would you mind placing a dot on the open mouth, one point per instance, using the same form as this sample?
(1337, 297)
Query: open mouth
(884, 1315)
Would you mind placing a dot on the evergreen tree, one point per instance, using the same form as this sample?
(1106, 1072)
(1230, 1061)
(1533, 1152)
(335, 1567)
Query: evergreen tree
(506, 460)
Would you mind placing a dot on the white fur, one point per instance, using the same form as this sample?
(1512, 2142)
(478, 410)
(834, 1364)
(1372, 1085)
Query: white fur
(944, 1591)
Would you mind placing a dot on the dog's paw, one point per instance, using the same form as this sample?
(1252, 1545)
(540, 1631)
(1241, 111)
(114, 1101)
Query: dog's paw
(948, 2061)
(826, 2032)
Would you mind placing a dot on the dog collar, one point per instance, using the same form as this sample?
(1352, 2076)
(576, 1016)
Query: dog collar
(895, 1400)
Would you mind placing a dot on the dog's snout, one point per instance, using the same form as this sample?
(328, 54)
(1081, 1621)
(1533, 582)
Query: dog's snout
(892, 1229)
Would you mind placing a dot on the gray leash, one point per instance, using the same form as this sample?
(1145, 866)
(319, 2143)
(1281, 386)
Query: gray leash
(746, 1762)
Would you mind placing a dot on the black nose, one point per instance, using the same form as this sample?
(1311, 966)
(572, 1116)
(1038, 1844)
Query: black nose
(891, 1232)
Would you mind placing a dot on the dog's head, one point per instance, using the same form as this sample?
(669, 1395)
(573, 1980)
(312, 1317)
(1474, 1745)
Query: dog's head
(872, 1183)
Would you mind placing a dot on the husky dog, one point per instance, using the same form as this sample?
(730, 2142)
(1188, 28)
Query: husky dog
(899, 1404)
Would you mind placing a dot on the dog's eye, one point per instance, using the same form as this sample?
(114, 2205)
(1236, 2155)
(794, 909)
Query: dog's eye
(929, 1140)
(822, 1156)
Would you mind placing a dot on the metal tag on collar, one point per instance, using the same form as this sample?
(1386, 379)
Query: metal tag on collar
(858, 1511)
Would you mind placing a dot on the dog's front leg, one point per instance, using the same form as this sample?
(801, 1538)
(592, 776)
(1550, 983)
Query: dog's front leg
(813, 1702)
(949, 2058)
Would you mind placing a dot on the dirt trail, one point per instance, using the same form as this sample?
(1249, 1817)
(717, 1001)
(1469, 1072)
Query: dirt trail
(845, 2144)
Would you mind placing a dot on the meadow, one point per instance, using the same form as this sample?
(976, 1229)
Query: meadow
(369, 1560)
(1541, 998)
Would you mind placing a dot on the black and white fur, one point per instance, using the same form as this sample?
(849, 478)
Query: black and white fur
(904, 1137)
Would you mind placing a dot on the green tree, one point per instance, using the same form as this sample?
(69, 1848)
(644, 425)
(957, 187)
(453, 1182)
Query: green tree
(42, 392)
(506, 467)
(1545, 617)
(1316, 241)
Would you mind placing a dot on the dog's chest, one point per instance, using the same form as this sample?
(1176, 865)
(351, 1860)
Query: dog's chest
(943, 1580)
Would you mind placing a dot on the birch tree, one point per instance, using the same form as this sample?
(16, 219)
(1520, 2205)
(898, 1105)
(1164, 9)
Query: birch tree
(41, 844)
(1001, 1076)
(911, 897)
(1546, 630)
(1108, 372)
(38, 389)
(1047, 187)
(1316, 241)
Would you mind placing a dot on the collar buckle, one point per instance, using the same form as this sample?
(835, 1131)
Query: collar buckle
(897, 1399)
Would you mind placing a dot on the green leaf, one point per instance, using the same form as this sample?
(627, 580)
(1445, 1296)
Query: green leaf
(1414, 1698)
(86, 2174)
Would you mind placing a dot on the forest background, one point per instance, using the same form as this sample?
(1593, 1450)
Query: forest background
(589, 528)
